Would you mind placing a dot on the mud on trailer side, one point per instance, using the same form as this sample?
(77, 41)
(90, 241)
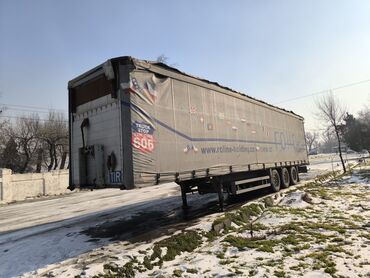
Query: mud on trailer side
(136, 123)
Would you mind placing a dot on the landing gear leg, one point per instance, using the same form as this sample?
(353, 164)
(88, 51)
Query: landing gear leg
(184, 197)
(220, 195)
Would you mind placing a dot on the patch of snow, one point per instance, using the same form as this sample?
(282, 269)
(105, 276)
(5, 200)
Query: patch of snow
(231, 251)
(316, 274)
(353, 179)
(275, 220)
(294, 200)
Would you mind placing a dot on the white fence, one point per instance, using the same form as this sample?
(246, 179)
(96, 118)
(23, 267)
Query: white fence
(16, 187)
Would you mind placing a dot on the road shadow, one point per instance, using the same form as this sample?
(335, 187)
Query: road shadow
(146, 226)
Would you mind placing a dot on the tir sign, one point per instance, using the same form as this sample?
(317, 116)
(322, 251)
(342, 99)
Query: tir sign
(115, 177)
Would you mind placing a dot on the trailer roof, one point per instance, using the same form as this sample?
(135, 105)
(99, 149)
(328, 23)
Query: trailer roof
(156, 66)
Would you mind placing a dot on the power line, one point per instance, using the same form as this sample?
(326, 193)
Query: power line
(326, 91)
(33, 107)
(32, 119)
(4, 109)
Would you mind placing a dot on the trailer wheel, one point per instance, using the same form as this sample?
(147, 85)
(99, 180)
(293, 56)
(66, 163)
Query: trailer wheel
(275, 180)
(285, 179)
(293, 175)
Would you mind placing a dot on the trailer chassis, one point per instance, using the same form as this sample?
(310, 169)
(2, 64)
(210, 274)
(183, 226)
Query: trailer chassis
(242, 182)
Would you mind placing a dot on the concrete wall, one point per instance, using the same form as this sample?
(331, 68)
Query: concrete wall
(16, 187)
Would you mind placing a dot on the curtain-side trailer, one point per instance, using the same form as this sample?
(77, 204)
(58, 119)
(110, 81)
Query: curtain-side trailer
(136, 123)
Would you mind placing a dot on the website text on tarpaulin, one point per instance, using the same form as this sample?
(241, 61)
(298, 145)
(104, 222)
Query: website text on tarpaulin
(234, 149)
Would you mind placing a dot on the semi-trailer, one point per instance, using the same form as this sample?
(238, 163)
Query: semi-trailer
(136, 123)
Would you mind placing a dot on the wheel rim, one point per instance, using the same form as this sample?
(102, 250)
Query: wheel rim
(294, 174)
(275, 179)
(286, 177)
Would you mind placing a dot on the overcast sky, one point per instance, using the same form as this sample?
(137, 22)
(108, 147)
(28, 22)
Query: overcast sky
(272, 50)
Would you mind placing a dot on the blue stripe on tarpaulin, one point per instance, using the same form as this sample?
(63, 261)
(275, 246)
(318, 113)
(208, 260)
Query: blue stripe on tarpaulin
(135, 107)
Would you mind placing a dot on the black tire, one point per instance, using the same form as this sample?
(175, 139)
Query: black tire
(285, 178)
(275, 180)
(294, 178)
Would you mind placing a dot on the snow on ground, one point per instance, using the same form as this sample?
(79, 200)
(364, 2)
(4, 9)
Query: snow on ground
(49, 231)
(331, 161)
(325, 234)
(313, 230)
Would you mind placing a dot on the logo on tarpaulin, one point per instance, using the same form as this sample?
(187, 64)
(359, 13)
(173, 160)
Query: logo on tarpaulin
(147, 90)
(142, 136)
(134, 85)
(142, 128)
(193, 109)
(115, 177)
(150, 91)
(190, 147)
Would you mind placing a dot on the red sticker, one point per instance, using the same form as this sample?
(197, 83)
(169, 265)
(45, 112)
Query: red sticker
(143, 142)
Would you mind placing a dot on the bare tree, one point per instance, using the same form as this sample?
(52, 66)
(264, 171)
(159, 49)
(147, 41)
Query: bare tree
(54, 136)
(165, 60)
(328, 141)
(3, 126)
(3, 134)
(162, 59)
(9, 157)
(311, 140)
(332, 113)
(25, 133)
(28, 142)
